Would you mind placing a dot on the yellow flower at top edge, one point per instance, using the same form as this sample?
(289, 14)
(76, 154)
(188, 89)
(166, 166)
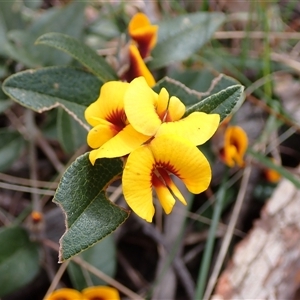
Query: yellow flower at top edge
(143, 33)
(100, 292)
(65, 294)
(235, 146)
(90, 293)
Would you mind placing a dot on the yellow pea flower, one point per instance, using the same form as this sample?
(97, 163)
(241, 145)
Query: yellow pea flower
(235, 146)
(143, 33)
(155, 114)
(65, 294)
(126, 115)
(150, 166)
(100, 292)
(137, 67)
(110, 125)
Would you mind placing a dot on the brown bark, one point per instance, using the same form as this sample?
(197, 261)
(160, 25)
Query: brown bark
(266, 264)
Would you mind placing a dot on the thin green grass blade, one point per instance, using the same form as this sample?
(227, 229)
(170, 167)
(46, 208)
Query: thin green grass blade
(206, 260)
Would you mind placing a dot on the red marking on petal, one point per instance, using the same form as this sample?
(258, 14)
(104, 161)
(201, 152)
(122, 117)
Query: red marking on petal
(118, 119)
(166, 167)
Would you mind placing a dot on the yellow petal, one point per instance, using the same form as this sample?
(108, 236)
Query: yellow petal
(100, 292)
(110, 104)
(162, 103)
(138, 67)
(169, 109)
(100, 134)
(176, 109)
(164, 196)
(140, 106)
(145, 34)
(66, 294)
(137, 182)
(197, 127)
(122, 143)
(183, 159)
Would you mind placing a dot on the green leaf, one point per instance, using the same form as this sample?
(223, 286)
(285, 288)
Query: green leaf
(67, 19)
(19, 259)
(84, 54)
(10, 148)
(223, 96)
(182, 89)
(267, 162)
(70, 134)
(223, 103)
(44, 89)
(102, 256)
(180, 37)
(90, 215)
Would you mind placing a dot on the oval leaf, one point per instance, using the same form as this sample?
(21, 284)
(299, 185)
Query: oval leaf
(180, 37)
(90, 216)
(19, 259)
(84, 54)
(223, 103)
(44, 89)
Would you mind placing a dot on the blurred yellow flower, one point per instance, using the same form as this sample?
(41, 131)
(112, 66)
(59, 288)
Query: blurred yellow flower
(271, 175)
(151, 166)
(143, 33)
(100, 293)
(137, 67)
(235, 146)
(65, 294)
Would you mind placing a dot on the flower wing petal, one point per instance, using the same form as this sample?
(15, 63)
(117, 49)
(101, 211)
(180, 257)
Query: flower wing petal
(122, 143)
(183, 159)
(100, 134)
(137, 182)
(197, 127)
(173, 106)
(140, 107)
(109, 103)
